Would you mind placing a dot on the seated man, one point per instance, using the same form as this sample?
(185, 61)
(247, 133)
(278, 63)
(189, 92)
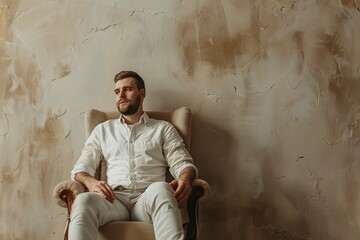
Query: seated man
(137, 151)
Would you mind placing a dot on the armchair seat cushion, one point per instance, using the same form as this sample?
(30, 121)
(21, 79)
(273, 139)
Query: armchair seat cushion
(126, 230)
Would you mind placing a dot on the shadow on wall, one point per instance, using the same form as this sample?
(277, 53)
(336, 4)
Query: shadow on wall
(249, 201)
(210, 147)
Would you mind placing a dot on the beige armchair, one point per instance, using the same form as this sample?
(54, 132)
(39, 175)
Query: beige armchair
(66, 192)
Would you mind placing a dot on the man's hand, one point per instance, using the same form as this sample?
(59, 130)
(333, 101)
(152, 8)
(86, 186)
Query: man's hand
(182, 185)
(95, 185)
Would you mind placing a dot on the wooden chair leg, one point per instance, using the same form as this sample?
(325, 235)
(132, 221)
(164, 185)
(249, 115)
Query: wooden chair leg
(68, 197)
(192, 227)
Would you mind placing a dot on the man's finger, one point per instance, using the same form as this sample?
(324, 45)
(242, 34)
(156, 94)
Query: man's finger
(173, 184)
(179, 190)
(109, 193)
(110, 190)
(105, 190)
(184, 193)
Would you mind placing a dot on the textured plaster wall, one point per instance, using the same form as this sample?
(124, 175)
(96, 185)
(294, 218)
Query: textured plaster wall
(273, 86)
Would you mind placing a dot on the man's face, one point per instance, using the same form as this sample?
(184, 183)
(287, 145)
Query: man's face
(128, 97)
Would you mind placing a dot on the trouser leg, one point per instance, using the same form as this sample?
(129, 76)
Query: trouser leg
(159, 206)
(90, 211)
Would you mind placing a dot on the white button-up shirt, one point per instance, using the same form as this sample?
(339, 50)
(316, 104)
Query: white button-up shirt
(136, 155)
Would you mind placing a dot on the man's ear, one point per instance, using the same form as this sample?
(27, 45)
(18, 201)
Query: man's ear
(143, 93)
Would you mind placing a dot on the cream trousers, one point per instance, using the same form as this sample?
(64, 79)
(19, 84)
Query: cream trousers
(157, 205)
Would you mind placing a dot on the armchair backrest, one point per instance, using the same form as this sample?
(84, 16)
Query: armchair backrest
(180, 118)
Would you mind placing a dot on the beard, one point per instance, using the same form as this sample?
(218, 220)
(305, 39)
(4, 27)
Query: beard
(131, 108)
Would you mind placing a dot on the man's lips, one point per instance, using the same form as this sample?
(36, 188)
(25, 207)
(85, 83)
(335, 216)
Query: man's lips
(123, 101)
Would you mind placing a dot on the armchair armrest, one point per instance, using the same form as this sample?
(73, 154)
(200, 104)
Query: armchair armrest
(65, 192)
(202, 189)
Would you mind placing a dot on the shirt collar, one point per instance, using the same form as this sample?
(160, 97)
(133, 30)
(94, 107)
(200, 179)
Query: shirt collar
(143, 119)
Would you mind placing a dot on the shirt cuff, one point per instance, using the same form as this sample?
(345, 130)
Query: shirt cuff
(183, 166)
(81, 167)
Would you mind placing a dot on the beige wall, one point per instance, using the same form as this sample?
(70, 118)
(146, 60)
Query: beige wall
(273, 86)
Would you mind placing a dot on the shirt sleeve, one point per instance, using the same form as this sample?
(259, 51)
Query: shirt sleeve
(176, 155)
(89, 159)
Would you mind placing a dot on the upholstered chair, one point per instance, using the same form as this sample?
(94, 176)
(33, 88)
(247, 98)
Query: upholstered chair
(65, 192)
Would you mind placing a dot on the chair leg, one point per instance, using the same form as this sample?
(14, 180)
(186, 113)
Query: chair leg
(66, 231)
(68, 197)
(193, 209)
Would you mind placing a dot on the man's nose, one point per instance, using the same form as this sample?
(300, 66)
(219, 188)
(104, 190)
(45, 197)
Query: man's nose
(122, 94)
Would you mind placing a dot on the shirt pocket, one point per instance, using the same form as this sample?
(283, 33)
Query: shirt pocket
(148, 151)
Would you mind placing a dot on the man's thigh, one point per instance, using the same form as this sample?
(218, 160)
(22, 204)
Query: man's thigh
(154, 196)
(95, 205)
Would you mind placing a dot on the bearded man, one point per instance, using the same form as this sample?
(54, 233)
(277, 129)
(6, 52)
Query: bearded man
(137, 151)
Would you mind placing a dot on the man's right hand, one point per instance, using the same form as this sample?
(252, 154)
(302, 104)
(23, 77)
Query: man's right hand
(95, 185)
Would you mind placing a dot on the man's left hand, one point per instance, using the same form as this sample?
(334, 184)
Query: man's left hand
(182, 185)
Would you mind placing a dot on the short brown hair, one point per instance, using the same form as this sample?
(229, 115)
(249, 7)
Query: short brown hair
(131, 74)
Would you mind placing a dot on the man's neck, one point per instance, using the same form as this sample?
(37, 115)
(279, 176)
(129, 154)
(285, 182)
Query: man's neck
(133, 118)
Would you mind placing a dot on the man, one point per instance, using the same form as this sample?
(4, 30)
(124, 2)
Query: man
(137, 151)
